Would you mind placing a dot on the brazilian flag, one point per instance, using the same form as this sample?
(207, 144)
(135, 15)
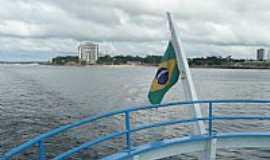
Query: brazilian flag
(166, 76)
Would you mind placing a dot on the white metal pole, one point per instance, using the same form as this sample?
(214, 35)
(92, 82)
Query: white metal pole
(189, 88)
(186, 76)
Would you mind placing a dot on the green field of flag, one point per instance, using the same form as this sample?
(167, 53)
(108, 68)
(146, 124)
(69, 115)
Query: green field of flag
(166, 76)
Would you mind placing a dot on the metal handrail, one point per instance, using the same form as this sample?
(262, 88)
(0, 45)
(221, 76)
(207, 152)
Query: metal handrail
(39, 140)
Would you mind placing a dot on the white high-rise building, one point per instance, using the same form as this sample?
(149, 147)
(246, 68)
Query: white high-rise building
(268, 54)
(261, 54)
(88, 52)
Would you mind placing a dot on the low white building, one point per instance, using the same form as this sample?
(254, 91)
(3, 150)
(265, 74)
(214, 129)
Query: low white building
(88, 52)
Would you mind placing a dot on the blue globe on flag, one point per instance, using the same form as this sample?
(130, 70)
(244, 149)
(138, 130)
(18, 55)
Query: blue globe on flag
(162, 76)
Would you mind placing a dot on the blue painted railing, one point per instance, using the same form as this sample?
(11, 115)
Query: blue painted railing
(39, 140)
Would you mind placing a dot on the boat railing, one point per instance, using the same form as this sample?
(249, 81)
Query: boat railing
(129, 129)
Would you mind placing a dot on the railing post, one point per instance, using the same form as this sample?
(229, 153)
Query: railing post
(210, 118)
(41, 150)
(127, 127)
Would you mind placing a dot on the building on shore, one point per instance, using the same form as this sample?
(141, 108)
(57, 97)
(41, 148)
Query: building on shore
(88, 52)
(261, 54)
(134, 63)
(268, 55)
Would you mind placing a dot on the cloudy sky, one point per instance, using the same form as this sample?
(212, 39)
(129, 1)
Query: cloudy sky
(40, 29)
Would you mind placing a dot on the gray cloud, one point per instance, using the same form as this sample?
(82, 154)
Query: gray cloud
(232, 27)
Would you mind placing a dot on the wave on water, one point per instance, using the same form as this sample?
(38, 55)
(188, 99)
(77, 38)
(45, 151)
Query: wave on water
(19, 64)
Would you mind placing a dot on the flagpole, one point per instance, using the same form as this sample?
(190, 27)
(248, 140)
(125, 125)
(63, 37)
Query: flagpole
(190, 92)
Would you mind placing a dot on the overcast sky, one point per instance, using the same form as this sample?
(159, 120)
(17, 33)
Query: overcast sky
(40, 29)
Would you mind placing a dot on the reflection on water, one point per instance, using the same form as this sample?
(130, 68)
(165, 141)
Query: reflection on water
(34, 99)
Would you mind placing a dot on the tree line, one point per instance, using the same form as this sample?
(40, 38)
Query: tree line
(147, 60)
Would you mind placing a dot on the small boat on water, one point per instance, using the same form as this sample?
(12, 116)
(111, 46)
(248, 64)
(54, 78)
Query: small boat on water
(204, 139)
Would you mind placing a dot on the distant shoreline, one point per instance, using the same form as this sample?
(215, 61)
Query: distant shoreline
(151, 60)
(191, 66)
(232, 66)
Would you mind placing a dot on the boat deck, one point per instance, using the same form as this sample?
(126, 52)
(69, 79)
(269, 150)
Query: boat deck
(163, 148)
(177, 146)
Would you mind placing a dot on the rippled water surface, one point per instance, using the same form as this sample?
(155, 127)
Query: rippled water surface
(34, 99)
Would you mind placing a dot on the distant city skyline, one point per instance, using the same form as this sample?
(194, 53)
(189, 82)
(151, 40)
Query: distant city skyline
(44, 56)
(40, 30)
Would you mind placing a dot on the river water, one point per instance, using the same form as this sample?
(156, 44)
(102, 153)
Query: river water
(36, 98)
